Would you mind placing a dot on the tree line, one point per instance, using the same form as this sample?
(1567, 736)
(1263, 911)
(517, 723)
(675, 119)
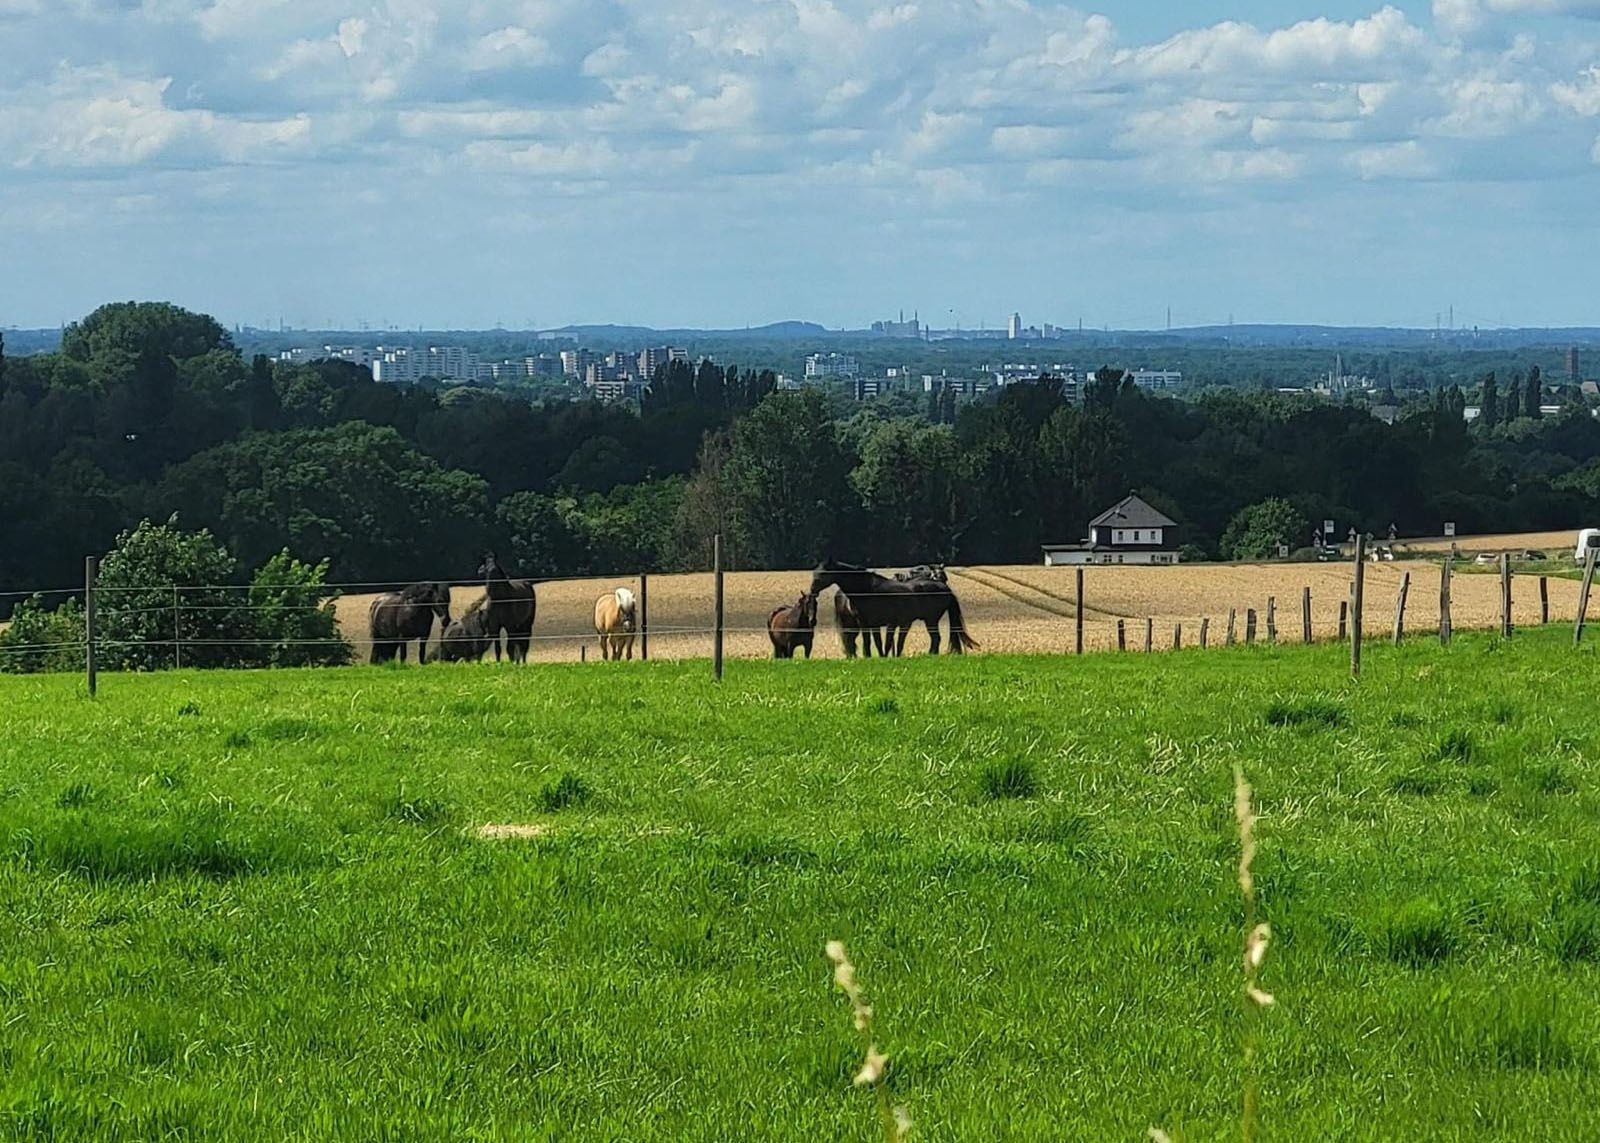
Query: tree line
(148, 411)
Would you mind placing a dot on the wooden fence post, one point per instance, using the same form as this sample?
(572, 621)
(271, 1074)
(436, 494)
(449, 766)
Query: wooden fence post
(1077, 643)
(1149, 635)
(1544, 601)
(91, 572)
(583, 652)
(1445, 626)
(1272, 619)
(1505, 595)
(1122, 634)
(1205, 633)
(1177, 637)
(1305, 617)
(1250, 626)
(1400, 609)
(1344, 620)
(1233, 626)
(1583, 596)
(644, 616)
(716, 639)
(1357, 597)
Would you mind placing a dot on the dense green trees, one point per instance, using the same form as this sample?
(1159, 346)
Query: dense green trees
(1258, 531)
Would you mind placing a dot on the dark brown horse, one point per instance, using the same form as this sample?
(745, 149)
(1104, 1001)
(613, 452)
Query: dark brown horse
(882, 602)
(793, 628)
(401, 616)
(467, 639)
(512, 608)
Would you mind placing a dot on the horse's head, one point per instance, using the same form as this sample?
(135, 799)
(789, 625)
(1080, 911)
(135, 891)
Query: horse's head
(490, 568)
(628, 608)
(833, 573)
(808, 608)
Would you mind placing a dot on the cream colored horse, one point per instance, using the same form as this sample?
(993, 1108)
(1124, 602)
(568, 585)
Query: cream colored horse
(616, 619)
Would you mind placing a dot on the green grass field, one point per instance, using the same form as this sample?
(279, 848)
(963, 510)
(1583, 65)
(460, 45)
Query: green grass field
(257, 905)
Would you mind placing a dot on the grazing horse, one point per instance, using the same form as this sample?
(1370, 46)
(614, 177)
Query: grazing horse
(884, 602)
(512, 608)
(853, 629)
(466, 640)
(791, 628)
(616, 618)
(401, 616)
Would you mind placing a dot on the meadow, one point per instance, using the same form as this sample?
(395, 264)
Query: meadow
(554, 902)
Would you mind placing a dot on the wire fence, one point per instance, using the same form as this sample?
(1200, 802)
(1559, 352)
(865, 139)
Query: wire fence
(1017, 610)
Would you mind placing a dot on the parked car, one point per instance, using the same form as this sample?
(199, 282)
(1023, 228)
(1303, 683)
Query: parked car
(1487, 558)
(1588, 541)
(1534, 554)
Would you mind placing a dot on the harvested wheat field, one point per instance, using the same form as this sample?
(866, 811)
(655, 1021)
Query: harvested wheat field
(1030, 609)
(1554, 544)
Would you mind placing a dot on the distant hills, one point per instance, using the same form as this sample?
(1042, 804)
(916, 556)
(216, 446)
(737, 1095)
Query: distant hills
(21, 342)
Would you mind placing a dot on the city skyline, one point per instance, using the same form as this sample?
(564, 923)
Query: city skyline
(719, 164)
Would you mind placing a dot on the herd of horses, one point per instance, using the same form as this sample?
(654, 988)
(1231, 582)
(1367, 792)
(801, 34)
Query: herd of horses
(873, 612)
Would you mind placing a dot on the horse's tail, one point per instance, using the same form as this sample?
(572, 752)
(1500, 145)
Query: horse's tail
(959, 639)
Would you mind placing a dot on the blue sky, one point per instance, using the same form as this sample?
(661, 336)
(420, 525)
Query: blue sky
(731, 162)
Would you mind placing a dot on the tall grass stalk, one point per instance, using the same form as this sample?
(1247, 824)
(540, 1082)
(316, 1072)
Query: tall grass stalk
(1257, 936)
(896, 1120)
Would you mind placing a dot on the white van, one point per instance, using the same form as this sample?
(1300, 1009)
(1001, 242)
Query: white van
(1588, 541)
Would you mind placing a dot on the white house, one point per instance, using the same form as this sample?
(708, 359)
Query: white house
(1132, 532)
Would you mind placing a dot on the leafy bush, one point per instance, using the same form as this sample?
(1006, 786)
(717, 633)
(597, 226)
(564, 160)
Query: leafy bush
(1257, 532)
(293, 617)
(162, 592)
(41, 641)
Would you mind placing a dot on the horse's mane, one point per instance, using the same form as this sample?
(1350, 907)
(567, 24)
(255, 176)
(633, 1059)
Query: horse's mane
(477, 606)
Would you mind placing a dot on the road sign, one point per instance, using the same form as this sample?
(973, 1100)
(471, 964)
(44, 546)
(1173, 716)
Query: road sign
(1327, 527)
(1449, 531)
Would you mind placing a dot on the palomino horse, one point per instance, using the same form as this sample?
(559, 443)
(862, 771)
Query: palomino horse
(616, 620)
(791, 628)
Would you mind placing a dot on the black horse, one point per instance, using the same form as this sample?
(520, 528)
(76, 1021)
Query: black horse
(881, 602)
(512, 608)
(466, 640)
(853, 629)
(401, 616)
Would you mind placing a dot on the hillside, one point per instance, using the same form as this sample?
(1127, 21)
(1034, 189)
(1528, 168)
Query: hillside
(265, 905)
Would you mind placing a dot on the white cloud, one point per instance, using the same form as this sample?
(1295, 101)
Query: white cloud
(1582, 95)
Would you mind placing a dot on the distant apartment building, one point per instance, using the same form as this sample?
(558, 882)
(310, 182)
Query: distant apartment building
(356, 355)
(1156, 378)
(616, 389)
(1014, 327)
(821, 366)
(652, 359)
(575, 363)
(445, 362)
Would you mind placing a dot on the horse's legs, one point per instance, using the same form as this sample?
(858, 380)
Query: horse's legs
(402, 650)
(933, 635)
(628, 639)
(422, 651)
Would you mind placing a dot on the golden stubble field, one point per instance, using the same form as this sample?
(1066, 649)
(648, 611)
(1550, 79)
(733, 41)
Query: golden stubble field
(1029, 609)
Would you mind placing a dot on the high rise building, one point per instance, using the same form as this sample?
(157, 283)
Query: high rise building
(1014, 327)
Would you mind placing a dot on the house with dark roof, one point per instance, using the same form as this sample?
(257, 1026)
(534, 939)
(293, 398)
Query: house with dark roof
(1131, 532)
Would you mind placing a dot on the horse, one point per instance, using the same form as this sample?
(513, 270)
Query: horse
(923, 571)
(883, 602)
(616, 618)
(512, 607)
(853, 629)
(398, 617)
(466, 640)
(791, 628)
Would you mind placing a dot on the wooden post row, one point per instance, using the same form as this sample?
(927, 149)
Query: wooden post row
(1344, 620)
(1122, 634)
(1544, 601)
(1357, 598)
(1400, 609)
(1272, 619)
(1233, 626)
(1305, 617)
(1250, 626)
(1205, 633)
(1177, 637)
(1149, 635)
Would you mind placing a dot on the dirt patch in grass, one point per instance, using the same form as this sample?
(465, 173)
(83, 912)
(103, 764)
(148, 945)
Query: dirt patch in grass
(514, 831)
